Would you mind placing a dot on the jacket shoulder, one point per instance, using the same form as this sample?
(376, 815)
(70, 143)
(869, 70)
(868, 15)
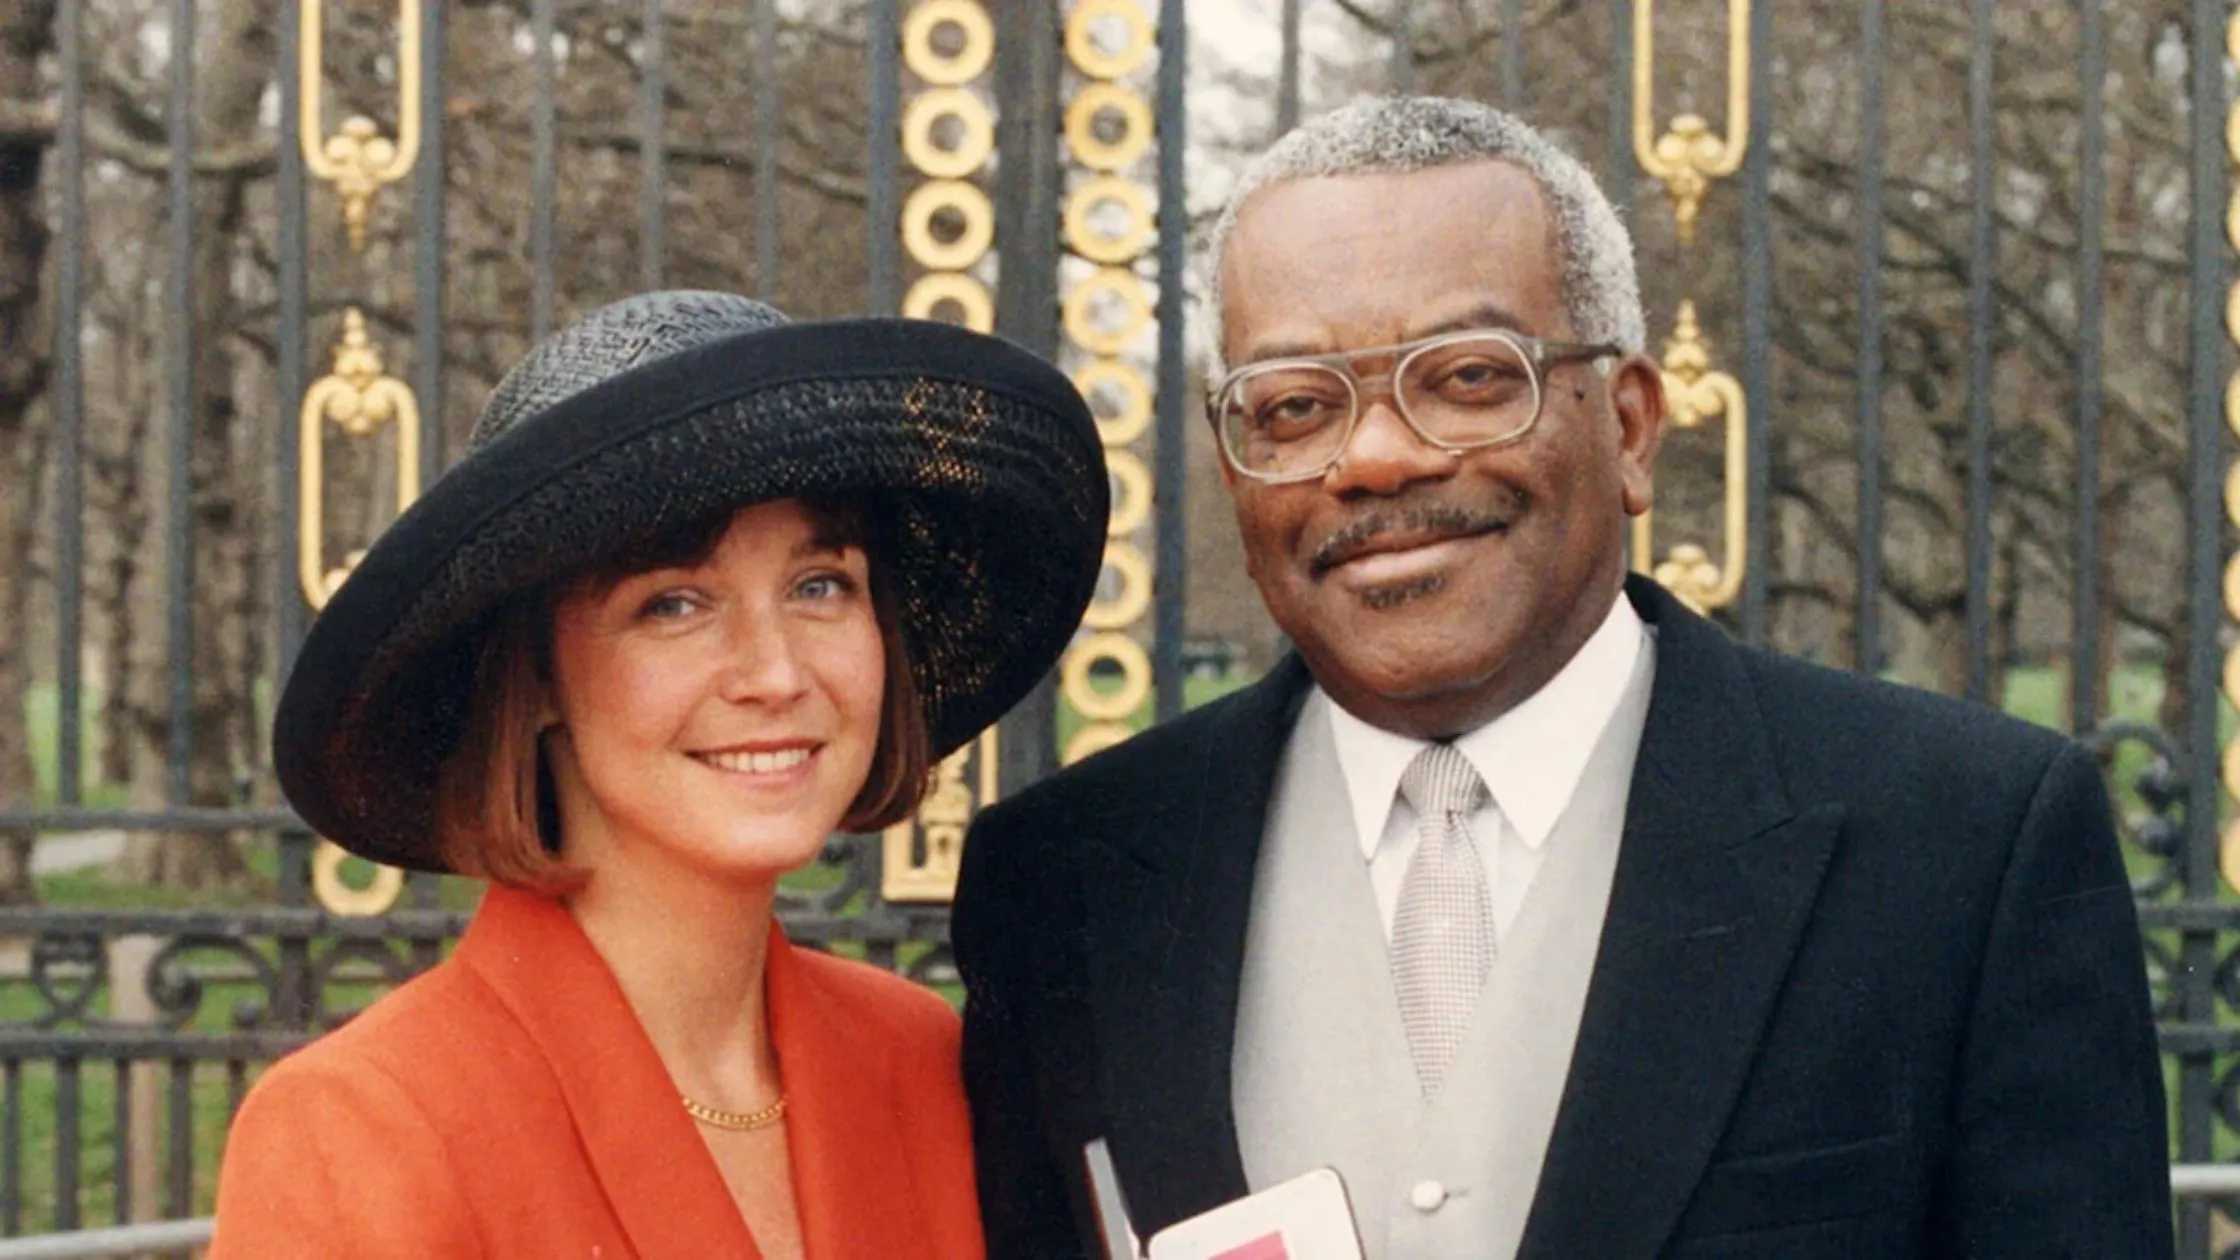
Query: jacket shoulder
(1830, 728)
(875, 998)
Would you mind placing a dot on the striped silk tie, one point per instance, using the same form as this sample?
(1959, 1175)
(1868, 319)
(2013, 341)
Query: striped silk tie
(1442, 931)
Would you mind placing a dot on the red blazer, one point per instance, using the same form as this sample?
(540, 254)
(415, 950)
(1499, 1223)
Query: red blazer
(507, 1104)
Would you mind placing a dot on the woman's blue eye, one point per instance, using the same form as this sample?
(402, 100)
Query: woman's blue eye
(826, 586)
(666, 605)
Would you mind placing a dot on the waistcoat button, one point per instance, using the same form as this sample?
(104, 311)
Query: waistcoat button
(1426, 1196)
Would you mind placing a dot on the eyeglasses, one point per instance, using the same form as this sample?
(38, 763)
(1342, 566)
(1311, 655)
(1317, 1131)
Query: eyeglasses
(1290, 419)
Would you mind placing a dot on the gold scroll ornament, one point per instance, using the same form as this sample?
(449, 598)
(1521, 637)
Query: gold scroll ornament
(359, 397)
(1688, 156)
(2228, 843)
(921, 854)
(1694, 394)
(358, 160)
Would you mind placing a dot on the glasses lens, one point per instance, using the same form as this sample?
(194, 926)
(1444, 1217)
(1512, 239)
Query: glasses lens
(1472, 389)
(1285, 419)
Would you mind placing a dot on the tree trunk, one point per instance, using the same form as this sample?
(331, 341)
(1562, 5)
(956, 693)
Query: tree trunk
(26, 32)
(233, 71)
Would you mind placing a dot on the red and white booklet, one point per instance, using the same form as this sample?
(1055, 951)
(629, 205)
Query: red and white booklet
(1305, 1218)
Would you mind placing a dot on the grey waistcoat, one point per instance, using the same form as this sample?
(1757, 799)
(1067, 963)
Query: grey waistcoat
(1321, 1071)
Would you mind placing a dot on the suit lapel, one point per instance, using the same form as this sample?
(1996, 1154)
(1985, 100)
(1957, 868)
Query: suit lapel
(1168, 889)
(1716, 877)
(660, 1180)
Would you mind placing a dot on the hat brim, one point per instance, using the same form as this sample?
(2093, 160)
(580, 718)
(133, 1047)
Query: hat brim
(982, 457)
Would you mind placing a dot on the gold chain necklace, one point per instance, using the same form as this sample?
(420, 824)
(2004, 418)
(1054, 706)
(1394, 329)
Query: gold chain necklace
(736, 1121)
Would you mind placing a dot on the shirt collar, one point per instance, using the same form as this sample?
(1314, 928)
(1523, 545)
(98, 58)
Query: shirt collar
(1531, 757)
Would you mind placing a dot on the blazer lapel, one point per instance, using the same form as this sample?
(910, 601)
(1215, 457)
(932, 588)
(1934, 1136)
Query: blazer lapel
(851, 1166)
(1168, 890)
(1716, 878)
(662, 1183)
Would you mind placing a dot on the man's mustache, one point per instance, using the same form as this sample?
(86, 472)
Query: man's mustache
(1384, 529)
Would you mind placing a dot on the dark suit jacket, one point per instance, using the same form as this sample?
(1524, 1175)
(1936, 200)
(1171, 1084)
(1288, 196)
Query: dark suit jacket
(1870, 984)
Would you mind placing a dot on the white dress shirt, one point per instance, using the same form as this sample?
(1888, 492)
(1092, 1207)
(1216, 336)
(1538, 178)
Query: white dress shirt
(1531, 759)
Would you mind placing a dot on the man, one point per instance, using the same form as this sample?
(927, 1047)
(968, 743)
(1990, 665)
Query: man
(1560, 925)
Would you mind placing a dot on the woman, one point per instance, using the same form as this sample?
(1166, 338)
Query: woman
(707, 587)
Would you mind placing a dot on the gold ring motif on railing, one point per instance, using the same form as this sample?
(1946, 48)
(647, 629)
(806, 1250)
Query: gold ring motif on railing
(358, 160)
(964, 200)
(1097, 61)
(1131, 493)
(976, 133)
(360, 398)
(2228, 840)
(1096, 152)
(1114, 288)
(1694, 394)
(1123, 559)
(1135, 677)
(1131, 416)
(976, 308)
(1689, 156)
(342, 897)
(975, 50)
(921, 854)
(1110, 220)
(1135, 209)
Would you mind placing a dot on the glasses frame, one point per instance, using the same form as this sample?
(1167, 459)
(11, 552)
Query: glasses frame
(1539, 355)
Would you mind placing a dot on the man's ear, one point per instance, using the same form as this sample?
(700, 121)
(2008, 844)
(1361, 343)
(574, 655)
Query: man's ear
(1637, 401)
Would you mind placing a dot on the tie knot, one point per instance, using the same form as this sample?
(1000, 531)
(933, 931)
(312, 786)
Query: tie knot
(1441, 781)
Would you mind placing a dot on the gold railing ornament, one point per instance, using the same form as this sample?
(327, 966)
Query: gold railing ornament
(2228, 840)
(1689, 156)
(922, 854)
(949, 287)
(1694, 395)
(360, 398)
(358, 160)
(1110, 221)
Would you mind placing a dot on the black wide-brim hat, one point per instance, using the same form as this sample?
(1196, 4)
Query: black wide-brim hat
(981, 458)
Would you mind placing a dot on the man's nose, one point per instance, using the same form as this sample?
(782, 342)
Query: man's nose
(1383, 455)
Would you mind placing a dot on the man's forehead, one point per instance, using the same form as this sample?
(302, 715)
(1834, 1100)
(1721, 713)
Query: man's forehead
(1388, 254)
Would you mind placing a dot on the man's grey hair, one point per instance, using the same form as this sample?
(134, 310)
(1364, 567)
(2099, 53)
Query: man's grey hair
(1412, 133)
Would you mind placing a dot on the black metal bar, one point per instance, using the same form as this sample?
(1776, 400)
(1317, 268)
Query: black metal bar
(1029, 181)
(292, 297)
(1618, 172)
(181, 1127)
(179, 518)
(1867, 628)
(11, 1150)
(769, 135)
(543, 174)
(1757, 325)
(2196, 983)
(1983, 246)
(1171, 473)
(69, 408)
(237, 1086)
(185, 818)
(2092, 199)
(67, 1156)
(120, 1122)
(1402, 76)
(1512, 54)
(883, 154)
(653, 172)
(1287, 71)
(427, 250)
